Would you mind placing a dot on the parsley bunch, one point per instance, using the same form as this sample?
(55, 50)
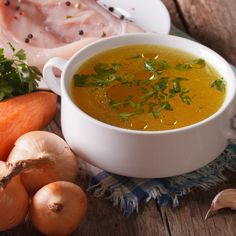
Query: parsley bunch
(16, 76)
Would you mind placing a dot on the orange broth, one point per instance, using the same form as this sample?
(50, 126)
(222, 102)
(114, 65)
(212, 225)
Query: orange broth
(147, 87)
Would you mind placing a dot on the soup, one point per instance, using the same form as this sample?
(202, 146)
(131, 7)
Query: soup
(147, 87)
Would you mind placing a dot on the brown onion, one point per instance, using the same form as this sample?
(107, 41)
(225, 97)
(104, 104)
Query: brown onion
(42, 144)
(14, 200)
(58, 208)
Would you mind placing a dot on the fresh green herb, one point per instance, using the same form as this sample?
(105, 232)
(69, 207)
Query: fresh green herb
(11, 47)
(92, 81)
(147, 82)
(184, 97)
(21, 55)
(156, 65)
(151, 105)
(219, 84)
(162, 84)
(196, 64)
(143, 89)
(105, 74)
(115, 104)
(137, 56)
(127, 101)
(122, 80)
(176, 84)
(148, 95)
(106, 68)
(16, 76)
(181, 91)
(183, 67)
(126, 115)
(136, 105)
(136, 82)
(164, 106)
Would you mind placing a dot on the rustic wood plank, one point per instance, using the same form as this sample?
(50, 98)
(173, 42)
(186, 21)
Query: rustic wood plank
(212, 22)
(188, 219)
(175, 14)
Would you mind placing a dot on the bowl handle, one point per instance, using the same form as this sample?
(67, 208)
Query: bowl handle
(232, 132)
(51, 80)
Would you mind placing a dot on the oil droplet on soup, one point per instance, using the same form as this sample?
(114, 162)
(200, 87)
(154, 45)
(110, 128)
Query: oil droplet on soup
(147, 87)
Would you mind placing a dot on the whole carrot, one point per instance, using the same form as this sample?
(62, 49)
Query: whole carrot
(21, 114)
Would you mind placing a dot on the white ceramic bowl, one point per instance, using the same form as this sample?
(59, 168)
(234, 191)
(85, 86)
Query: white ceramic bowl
(144, 154)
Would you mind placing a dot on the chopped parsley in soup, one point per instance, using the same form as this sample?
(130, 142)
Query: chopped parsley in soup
(147, 87)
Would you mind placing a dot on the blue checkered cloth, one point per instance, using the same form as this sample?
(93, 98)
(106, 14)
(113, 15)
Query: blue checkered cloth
(131, 193)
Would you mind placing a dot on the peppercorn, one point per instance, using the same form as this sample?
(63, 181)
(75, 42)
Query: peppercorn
(111, 9)
(6, 2)
(81, 32)
(30, 36)
(122, 17)
(68, 3)
(27, 40)
(103, 34)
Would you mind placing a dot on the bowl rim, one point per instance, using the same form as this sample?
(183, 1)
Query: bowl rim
(74, 59)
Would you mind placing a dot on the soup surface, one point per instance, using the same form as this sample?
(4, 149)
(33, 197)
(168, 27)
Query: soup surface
(147, 87)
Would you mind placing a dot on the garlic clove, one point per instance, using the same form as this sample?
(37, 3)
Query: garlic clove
(224, 199)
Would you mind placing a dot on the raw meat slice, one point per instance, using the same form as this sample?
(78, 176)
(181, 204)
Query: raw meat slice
(59, 28)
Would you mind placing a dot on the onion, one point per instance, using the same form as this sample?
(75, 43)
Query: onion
(42, 144)
(58, 208)
(14, 200)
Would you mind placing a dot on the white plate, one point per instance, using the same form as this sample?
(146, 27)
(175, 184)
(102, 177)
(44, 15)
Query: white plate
(151, 15)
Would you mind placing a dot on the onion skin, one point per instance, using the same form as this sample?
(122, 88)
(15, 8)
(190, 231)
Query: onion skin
(40, 144)
(14, 202)
(58, 208)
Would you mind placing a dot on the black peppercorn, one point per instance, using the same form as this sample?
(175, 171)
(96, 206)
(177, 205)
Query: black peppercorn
(6, 2)
(111, 9)
(27, 40)
(81, 32)
(68, 3)
(30, 36)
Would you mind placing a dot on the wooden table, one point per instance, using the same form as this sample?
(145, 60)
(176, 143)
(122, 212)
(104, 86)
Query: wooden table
(213, 23)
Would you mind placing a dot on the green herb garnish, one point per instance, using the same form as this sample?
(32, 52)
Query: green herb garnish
(126, 115)
(16, 76)
(197, 64)
(156, 91)
(164, 106)
(137, 56)
(156, 65)
(105, 74)
(176, 83)
(103, 68)
(151, 105)
(219, 84)
(161, 84)
(184, 97)
(114, 104)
